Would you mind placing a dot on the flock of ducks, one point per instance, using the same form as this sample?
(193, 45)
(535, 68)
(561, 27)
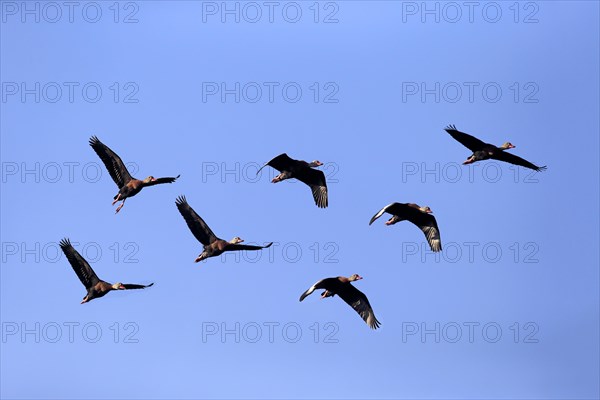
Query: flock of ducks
(289, 168)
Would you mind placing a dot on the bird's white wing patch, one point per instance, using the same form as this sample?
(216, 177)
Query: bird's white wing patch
(380, 213)
(320, 195)
(432, 234)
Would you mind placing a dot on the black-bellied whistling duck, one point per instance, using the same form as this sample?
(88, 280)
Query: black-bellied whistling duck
(95, 286)
(420, 216)
(485, 151)
(128, 185)
(304, 172)
(356, 299)
(213, 246)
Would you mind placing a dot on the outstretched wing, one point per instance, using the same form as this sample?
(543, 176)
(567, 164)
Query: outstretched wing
(247, 247)
(135, 286)
(112, 162)
(428, 224)
(322, 284)
(281, 162)
(516, 160)
(196, 224)
(470, 142)
(162, 180)
(84, 271)
(390, 208)
(315, 179)
(359, 302)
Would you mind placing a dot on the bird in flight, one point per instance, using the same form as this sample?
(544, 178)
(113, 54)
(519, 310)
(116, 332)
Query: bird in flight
(485, 151)
(420, 216)
(304, 172)
(128, 185)
(95, 286)
(213, 246)
(356, 299)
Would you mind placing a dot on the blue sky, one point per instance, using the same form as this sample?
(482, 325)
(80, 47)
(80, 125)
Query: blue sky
(518, 278)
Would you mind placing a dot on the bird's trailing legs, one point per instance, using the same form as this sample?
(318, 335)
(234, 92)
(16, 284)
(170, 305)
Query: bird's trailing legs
(116, 199)
(201, 257)
(278, 178)
(281, 177)
(326, 294)
(469, 160)
(120, 206)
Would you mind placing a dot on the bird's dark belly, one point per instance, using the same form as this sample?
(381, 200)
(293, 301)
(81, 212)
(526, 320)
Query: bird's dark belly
(128, 191)
(288, 174)
(95, 293)
(215, 249)
(483, 154)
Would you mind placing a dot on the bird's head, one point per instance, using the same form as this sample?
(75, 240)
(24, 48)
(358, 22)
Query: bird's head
(236, 240)
(149, 179)
(426, 209)
(118, 286)
(316, 163)
(507, 145)
(355, 277)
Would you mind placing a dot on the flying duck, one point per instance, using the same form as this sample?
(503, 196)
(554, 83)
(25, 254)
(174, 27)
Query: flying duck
(304, 172)
(95, 286)
(484, 151)
(356, 299)
(213, 246)
(420, 216)
(128, 185)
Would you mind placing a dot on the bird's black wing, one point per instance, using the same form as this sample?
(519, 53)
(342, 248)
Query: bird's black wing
(315, 179)
(516, 160)
(281, 163)
(357, 300)
(470, 142)
(196, 224)
(136, 286)
(393, 208)
(428, 224)
(112, 162)
(327, 283)
(162, 180)
(84, 271)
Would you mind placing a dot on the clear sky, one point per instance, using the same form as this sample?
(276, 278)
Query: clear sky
(509, 310)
